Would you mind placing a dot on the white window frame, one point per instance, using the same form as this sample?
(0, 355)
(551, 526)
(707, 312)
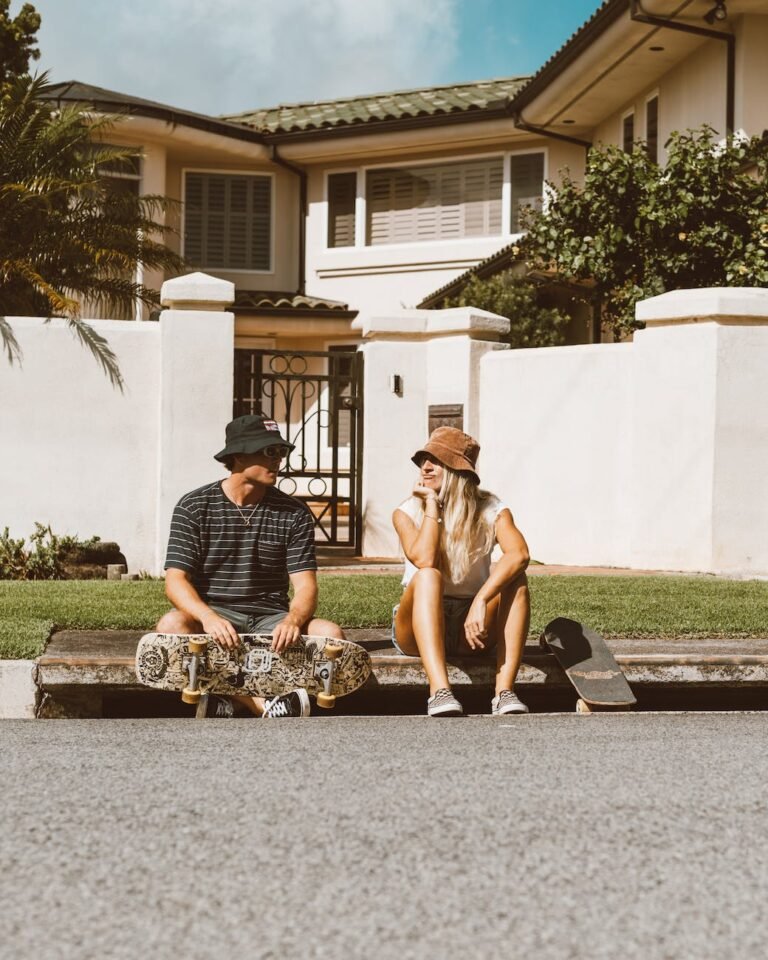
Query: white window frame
(272, 218)
(628, 113)
(361, 210)
(653, 95)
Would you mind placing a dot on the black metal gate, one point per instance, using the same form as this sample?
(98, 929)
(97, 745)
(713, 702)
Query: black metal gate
(317, 399)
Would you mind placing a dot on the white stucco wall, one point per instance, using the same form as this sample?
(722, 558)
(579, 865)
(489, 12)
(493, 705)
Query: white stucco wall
(555, 436)
(90, 460)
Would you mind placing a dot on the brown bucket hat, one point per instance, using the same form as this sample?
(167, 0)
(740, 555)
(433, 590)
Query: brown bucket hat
(453, 449)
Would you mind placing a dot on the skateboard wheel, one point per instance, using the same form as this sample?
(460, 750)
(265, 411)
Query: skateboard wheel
(583, 707)
(197, 646)
(326, 700)
(190, 696)
(333, 650)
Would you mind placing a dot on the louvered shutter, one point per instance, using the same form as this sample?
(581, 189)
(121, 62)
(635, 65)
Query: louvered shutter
(441, 202)
(342, 194)
(527, 185)
(227, 221)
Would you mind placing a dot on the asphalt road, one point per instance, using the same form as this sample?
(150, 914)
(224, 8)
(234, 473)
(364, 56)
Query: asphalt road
(547, 836)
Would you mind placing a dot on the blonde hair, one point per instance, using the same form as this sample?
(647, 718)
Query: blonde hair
(463, 505)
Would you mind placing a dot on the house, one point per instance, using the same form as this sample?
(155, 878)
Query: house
(326, 214)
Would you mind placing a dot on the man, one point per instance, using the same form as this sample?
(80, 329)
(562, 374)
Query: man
(233, 547)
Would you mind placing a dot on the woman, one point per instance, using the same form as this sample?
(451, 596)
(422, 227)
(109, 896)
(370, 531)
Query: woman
(453, 605)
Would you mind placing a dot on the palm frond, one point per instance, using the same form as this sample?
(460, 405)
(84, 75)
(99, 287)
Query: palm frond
(99, 348)
(10, 343)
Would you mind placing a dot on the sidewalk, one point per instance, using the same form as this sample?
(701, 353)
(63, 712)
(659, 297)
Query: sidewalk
(80, 668)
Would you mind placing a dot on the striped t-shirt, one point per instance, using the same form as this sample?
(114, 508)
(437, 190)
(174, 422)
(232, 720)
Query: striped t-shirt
(239, 566)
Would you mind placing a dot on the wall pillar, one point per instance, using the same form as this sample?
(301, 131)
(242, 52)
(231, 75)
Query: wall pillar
(413, 360)
(196, 388)
(700, 432)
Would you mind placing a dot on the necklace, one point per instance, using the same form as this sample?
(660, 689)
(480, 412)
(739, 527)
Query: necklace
(246, 519)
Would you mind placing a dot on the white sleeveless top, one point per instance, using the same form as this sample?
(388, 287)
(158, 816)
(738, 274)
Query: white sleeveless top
(480, 569)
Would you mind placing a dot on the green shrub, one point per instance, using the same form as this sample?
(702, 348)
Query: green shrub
(44, 559)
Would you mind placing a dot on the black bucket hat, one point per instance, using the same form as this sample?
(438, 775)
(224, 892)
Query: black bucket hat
(249, 434)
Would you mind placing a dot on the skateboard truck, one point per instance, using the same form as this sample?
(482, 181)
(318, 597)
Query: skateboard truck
(324, 671)
(192, 692)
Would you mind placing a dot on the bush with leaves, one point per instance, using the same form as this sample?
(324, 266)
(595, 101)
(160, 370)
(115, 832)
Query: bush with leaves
(636, 229)
(44, 559)
(517, 299)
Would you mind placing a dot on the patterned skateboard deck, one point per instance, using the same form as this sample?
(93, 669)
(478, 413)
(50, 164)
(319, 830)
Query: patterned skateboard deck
(589, 665)
(163, 661)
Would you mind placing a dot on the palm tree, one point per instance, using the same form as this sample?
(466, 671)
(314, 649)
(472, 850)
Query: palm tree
(66, 237)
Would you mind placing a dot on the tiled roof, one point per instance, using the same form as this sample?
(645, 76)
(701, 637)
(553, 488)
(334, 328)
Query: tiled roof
(110, 101)
(274, 301)
(485, 268)
(503, 259)
(430, 102)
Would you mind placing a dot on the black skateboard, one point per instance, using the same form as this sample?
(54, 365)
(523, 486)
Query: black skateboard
(589, 665)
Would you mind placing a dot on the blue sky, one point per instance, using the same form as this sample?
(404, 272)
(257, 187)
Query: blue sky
(238, 54)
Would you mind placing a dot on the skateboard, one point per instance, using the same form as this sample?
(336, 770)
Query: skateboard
(196, 665)
(589, 665)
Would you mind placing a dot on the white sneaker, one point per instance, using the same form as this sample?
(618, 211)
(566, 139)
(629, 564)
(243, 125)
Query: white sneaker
(507, 702)
(444, 704)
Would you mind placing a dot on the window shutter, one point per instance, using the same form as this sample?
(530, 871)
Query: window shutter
(527, 184)
(628, 133)
(342, 195)
(227, 221)
(439, 202)
(652, 129)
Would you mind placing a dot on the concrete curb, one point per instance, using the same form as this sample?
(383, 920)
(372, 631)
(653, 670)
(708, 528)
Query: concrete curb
(19, 693)
(79, 668)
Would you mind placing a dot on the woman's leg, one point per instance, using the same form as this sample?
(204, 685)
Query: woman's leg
(510, 626)
(420, 626)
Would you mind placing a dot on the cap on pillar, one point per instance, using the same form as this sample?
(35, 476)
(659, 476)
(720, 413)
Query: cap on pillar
(197, 291)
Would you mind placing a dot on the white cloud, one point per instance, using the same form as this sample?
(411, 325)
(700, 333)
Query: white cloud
(240, 54)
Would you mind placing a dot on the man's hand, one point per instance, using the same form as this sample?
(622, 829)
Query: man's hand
(474, 626)
(221, 630)
(287, 632)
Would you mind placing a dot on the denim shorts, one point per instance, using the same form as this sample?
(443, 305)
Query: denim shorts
(259, 620)
(455, 610)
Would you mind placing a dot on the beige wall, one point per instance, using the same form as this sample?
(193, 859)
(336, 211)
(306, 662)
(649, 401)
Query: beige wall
(694, 92)
(752, 74)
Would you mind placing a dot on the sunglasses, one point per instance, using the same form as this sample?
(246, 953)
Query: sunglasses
(275, 451)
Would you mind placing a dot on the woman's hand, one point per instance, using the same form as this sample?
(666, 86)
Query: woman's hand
(474, 626)
(424, 493)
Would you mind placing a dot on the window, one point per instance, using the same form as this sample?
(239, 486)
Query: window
(342, 195)
(628, 133)
(527, 182)
(444, 201)
(652, 129)
(228, 221)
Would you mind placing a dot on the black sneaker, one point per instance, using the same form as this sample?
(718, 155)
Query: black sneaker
(293, 704)
(220, 708)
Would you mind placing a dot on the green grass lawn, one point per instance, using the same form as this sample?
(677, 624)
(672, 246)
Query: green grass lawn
(615, 606)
